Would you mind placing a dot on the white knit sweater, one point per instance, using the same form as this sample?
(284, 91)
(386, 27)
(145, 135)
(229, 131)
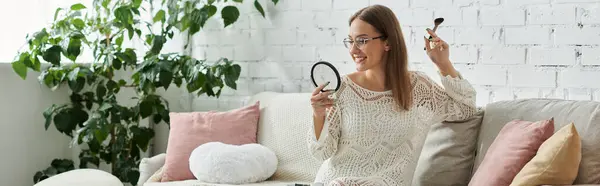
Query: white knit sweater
(366, 142)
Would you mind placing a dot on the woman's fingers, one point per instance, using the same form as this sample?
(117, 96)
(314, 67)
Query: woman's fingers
(431, 33)
(427, 46)
(444, 44)
(318, 89)
(441, 45)
(325, 104)
(322, 100)
(327, 101)
(321, 96)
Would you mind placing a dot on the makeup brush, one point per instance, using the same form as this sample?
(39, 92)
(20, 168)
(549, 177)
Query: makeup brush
(437, 22)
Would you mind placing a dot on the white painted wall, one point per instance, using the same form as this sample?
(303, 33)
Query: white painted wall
(26, 146)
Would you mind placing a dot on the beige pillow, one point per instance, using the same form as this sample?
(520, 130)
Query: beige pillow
(556, 162)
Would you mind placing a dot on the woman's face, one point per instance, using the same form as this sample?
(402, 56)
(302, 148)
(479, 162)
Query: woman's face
(367, 52)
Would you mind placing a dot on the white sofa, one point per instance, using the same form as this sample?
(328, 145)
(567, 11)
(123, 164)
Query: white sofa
(450, 154)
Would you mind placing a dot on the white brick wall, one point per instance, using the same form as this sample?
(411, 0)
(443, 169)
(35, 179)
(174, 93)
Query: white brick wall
(509, 49)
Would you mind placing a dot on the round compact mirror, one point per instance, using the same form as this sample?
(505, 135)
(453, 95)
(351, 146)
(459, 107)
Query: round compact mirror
(324, 72)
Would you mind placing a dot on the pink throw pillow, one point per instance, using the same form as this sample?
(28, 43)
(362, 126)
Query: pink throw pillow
(192, 129)
(516, 144)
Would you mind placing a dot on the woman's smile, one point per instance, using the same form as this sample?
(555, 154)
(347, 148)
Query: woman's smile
(359, 59)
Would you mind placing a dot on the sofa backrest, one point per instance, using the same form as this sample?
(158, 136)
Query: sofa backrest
(447, 157)
(284, 120)
(584, 114)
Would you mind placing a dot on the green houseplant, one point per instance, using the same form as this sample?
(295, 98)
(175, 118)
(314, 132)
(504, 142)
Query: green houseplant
(108, 130)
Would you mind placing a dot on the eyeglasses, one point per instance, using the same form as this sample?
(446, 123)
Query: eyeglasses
(360, 42)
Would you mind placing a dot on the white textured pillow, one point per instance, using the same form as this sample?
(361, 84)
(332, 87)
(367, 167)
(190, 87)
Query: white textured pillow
(217, 162)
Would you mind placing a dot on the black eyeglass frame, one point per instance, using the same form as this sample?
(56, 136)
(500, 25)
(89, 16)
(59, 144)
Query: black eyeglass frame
(365, 40)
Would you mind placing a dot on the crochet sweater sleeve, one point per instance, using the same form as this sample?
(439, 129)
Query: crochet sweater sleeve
(452, 102)
(326, 145)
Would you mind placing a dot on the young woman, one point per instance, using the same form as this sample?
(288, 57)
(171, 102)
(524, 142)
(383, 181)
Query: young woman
(373, 131)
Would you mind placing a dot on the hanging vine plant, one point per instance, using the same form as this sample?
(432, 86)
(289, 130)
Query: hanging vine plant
(108, 130)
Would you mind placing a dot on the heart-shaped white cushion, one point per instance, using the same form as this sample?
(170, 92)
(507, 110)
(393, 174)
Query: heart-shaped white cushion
(217, 162)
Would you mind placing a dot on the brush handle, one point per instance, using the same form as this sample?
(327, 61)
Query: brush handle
(430, 37)
(435, 28)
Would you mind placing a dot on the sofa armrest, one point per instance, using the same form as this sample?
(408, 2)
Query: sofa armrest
(148, 166)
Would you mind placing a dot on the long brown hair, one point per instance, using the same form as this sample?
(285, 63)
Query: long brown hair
(397, 77)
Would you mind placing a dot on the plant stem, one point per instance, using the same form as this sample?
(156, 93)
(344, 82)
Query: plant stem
(113, 154)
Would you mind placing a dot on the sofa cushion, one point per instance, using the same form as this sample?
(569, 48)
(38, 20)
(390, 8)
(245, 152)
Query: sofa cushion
(584, 114)
(82, 177)
(199, 183)
(556, 162)
(150, 166)
(515, 145)
(448, 154)
(217, 162)
(190, 130)
(283, 120)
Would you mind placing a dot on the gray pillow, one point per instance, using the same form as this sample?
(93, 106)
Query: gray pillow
(448, 153)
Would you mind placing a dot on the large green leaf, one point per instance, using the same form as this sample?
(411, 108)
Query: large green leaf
(25, 58)
(160, 16)
(62, 165)
(78, 23)
(36, 63)
(275, 1)
(77, 6)
(198, 18)
(86, 157)
(40, 37)
(146, 108)
(56, 13)
(232, 75)
(124, 15)
(20, 69)
(77, 85)
(73, 48)
(128, 56)
(197, 81)
(165, 78)
(212, 10)
(79, 116)
(142, 136)
(64, 122)
(133, 176)
(230, 15)
(137, 3)
(74, 74)
(101, 134)
(259, 7)
(100, 91)
(112, 86)
(52, 54)
(157, 44)
(48, 115)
